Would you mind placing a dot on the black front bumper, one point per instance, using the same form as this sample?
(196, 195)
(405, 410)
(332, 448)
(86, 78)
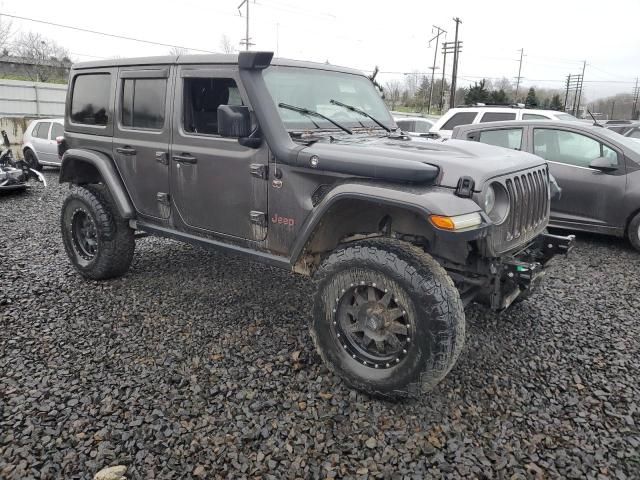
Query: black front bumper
(520, 273)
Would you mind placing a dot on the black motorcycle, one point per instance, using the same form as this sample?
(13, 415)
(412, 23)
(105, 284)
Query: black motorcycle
(14, 173)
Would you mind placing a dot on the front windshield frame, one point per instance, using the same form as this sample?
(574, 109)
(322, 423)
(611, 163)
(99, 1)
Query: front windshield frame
(350, 88)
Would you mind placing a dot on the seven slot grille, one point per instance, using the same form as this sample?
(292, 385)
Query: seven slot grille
(529, 202)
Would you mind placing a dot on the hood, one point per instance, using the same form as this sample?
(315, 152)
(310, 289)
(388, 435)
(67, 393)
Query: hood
(453, 158)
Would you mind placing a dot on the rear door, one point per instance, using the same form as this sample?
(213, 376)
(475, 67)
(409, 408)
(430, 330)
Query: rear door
(590, 198)
(56, 130)
(142, 135)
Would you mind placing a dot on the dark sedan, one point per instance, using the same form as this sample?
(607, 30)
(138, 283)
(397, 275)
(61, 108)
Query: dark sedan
(597, 169)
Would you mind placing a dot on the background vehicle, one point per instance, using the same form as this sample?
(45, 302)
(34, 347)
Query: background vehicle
(14, 173)
(414, 126)
(633, 132)
(482, 114)
(597, 169)
(39, 146)
(299, 165)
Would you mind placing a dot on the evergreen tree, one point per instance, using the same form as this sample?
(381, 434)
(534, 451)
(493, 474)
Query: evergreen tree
(531, 100)
(498, 97)
(477, 94)
(556, 103)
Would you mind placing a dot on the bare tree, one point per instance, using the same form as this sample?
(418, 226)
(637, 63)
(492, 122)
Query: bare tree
(226, 45)
(393, 93)
(42, 55)
(177, 51)
(6, 28)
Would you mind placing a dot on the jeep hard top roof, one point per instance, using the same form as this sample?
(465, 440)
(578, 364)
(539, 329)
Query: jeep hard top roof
(206, 59)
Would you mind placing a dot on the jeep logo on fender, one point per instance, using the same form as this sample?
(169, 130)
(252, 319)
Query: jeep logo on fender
(278, 220)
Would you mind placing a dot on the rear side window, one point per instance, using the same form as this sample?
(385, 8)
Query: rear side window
(41, 130)
(56, 131)
(498, 116)
(143, 102)
(635, 133)
(507, 138)
(533, 116)
(460, 118)
(90, 100)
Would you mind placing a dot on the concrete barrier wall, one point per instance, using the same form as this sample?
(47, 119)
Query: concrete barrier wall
(15, 128)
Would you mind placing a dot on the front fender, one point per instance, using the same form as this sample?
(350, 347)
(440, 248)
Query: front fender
(88, 166)
(435, 200)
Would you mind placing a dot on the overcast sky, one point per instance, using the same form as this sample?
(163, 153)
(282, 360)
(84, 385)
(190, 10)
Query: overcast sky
(556, 35)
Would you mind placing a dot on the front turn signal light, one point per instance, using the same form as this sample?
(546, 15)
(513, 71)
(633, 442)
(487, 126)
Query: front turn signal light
(457, 222)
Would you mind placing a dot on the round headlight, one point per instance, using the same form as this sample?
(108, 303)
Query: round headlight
(496, 202)
(489, 200)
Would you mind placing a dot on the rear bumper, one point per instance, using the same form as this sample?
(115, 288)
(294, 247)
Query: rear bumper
(522, 272)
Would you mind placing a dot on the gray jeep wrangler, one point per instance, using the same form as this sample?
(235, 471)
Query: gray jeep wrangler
(301, 166)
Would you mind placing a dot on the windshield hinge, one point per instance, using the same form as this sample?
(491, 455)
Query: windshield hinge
(259, 170)
(465, 187)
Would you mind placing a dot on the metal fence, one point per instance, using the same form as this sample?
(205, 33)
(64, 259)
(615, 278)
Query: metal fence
(32, 99)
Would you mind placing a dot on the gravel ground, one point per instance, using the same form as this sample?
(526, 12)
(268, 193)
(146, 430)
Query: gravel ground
(200, 364)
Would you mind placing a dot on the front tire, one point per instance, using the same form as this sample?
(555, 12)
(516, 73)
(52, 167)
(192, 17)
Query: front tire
(31, 160)
(99, 243)
(387, 318)
(633, 232)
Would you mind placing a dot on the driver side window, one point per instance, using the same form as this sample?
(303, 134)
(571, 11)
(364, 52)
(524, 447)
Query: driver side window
(202, 97)
(569, 148)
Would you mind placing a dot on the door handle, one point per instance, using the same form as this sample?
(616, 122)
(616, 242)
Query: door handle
(126, 150)
(185, 158)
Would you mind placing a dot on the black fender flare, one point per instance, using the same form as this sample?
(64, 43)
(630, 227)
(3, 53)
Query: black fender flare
(440, 201)
(74, 170)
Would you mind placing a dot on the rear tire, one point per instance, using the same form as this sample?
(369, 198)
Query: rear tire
(98, 241)
(633, 232)
(375, 290)
(31, 160)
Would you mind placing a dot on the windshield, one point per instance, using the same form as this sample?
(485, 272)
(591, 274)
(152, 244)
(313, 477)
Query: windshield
(314, 89)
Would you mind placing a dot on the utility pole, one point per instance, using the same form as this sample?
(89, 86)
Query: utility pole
(454, 74)
(515, 100)
(566, 95)
(246, 42)
(444, 69)
(448, 48)
(584, 65)
(636, 94)
(433, 68)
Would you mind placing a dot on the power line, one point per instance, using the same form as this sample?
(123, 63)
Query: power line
(95, 32)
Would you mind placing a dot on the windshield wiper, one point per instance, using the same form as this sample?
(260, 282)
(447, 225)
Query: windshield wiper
(312, 113)
(361, 112)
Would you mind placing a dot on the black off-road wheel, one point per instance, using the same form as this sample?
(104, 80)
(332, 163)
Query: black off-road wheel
(31, 160)
(633, 232)
(98, 241)
(387, 318)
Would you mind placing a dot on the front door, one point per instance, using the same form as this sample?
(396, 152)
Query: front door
(215, 181)
(141, 137)
(589, 196)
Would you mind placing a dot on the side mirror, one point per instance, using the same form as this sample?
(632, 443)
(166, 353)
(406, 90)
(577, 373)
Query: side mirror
(603, 164)
(234, 121)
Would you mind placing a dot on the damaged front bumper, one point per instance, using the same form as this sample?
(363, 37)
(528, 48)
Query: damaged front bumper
(523, 271)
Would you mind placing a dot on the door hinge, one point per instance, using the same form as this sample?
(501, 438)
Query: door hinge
(258, 218)
(162, 157)
(163, 198)
(259, 170)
